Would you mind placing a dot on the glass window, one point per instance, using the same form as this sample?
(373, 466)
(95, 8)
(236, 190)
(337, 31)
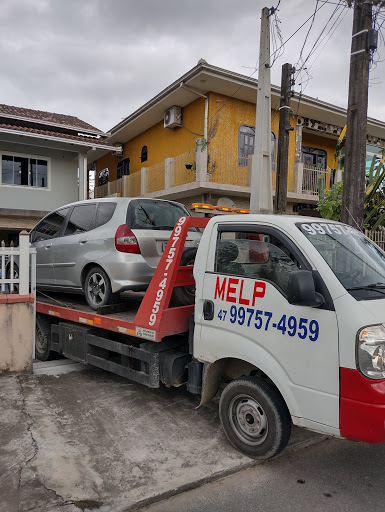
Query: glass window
(246, 139)
(17, 170)
(81, 219)
(357, 263)
(50, 226)
(153, 214)
(273, 151)
(314, 157)
(104, 213)
(254, 255)
(123, 168)
(103, 177)
(144, 154)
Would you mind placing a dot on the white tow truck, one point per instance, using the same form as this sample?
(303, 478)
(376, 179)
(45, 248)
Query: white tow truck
(288, 322)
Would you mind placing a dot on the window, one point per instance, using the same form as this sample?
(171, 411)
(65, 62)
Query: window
(24, 171)
(104, 213)
(50, 226)
(81, 219)
(154, 214)
(123, 168)
(314, 157)
(255, 255)
(143, 154)
(246, 140)
(103, 177)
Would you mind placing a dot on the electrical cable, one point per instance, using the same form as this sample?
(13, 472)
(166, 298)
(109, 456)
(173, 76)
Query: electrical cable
(239, 87)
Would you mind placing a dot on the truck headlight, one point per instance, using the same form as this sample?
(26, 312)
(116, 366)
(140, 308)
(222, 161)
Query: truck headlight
(371, 351)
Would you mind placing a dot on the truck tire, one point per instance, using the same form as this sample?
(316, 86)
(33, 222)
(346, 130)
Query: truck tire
(97, 289)
(255, 417)
(42, 345)
(185, 295)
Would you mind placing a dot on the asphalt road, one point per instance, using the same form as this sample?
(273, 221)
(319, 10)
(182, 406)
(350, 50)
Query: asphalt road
(334, 475)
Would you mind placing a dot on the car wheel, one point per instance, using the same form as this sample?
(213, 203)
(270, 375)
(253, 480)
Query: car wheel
(185, 295)
(15, 276)
(97, 288)
(255, 417)
(42, 345)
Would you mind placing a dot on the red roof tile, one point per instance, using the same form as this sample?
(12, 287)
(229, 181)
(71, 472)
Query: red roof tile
(46, 117)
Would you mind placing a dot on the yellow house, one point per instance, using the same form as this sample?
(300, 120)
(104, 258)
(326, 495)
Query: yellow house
(194, 141)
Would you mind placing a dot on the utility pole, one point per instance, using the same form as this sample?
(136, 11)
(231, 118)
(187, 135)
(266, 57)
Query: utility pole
(353, 195)
(283, 139)
(261, 196)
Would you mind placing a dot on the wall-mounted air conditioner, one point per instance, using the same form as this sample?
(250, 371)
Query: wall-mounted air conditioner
(173, 117)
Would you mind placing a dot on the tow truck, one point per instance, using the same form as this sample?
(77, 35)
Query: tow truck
(287, 323)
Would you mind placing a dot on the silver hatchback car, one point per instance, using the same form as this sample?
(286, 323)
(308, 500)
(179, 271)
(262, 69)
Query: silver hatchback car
(102, 247)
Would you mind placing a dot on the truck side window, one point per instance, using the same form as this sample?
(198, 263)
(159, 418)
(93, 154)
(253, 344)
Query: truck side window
(255, 255)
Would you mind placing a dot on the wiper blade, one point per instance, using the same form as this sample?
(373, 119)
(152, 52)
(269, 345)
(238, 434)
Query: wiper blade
(164, 227)
(147, 215)
(375, 287)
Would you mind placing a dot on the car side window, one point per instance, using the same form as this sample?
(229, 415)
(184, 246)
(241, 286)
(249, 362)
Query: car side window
(81, 219)
(104, 213)
(49, 227)
(255, 255)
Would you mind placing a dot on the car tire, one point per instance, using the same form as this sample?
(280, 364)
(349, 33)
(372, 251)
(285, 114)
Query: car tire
(255, 417)
(185, 295)
(42, 345)
(15, 276)
(97, 289)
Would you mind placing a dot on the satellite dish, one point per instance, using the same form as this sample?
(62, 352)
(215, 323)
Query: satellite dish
(226, 201)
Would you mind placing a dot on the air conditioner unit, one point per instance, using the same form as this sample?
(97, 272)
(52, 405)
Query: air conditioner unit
(173, 117)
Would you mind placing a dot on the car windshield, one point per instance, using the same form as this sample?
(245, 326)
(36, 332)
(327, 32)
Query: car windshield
(153, 214)
(356, 261)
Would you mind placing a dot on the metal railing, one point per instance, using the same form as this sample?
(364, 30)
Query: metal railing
(18, 267)
(313, 179)
(227, 169)
(183, 169)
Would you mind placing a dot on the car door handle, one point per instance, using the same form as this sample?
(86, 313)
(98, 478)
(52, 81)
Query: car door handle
(82, 242)
(47, 246)
(208, 310)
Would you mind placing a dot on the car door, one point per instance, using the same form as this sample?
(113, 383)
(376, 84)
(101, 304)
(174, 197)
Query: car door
(43, 236)
(72, 253)
(244, 314)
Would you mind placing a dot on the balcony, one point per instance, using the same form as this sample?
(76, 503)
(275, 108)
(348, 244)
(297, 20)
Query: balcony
(206, 170)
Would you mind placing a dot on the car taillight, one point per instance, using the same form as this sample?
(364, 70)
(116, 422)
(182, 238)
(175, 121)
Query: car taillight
(125, 240)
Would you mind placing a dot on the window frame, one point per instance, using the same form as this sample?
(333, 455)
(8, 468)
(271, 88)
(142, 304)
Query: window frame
(309, 150)
(29, 157)
(123, 169)
(142, 152)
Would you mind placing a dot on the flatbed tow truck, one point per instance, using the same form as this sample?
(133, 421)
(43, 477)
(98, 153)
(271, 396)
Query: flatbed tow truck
(273, 320)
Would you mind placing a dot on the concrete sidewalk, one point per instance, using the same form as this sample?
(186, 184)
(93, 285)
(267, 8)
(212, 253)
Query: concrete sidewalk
(90, 440)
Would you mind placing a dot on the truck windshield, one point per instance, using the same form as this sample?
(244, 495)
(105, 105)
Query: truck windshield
(356, 261)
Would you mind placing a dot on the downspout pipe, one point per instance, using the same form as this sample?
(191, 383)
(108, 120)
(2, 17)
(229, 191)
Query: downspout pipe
(183, 86)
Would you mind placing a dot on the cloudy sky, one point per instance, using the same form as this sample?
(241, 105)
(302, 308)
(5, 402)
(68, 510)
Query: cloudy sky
(102, 59)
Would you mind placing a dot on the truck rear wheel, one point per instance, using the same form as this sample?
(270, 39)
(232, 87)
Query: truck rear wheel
(185, 295)
(255, 417)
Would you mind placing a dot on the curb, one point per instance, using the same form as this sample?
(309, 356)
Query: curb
(222, 474)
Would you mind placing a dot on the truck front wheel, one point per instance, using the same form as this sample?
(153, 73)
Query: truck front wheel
(255, 417)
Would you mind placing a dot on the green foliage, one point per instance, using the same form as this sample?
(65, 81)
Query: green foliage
(330, 202)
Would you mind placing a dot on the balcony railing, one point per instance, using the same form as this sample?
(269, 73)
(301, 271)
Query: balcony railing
(203, 168)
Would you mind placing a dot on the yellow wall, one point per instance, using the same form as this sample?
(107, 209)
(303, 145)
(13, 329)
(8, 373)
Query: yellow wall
(161, 142)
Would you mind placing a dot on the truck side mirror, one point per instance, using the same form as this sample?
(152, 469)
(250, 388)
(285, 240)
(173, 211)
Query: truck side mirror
(301, 289)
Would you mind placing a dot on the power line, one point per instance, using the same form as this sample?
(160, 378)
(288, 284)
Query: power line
(243, 83)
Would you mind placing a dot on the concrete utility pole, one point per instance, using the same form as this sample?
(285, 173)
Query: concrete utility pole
(283, 139)
(353, 195)
(261, 197)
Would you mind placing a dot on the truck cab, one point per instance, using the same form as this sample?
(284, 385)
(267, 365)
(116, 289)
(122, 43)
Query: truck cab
(289, 312)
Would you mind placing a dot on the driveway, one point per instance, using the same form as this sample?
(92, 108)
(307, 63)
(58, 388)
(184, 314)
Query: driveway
(89, 440)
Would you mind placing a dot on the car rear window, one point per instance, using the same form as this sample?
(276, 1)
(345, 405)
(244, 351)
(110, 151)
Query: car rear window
(153, 214)
(104, 213)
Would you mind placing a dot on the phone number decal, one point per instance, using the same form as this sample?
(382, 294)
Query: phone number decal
(289, 325)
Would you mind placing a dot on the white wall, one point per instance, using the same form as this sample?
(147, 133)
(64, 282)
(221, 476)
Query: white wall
(63, 185)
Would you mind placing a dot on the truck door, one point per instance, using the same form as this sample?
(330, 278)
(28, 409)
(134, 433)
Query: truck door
(244, 314)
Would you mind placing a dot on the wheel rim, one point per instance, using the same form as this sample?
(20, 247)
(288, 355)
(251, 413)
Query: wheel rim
(248, 420)
(96, 288)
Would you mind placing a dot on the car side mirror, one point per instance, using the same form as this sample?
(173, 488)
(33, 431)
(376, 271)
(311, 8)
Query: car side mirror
(301, 290)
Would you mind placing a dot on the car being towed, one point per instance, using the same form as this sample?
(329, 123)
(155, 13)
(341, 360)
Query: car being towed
(101, 247)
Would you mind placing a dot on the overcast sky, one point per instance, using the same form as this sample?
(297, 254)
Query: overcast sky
(100, 60)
